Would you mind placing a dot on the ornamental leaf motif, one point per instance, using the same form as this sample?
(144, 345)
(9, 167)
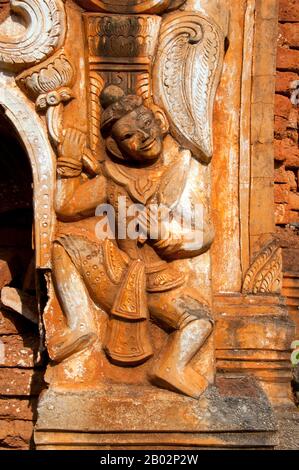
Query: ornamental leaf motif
(186, 75)
(265, 274)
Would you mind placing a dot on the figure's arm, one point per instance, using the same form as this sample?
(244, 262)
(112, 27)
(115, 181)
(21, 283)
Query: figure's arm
(76, 197)
(184, 227)
(174, 248)
(177, 237)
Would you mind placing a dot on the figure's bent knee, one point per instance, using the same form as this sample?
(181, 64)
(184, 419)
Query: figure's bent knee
(205, 323)
(194, 311)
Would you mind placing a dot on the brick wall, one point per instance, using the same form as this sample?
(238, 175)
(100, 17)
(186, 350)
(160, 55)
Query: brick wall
(286, 116)
(21, 381)
(287, 149)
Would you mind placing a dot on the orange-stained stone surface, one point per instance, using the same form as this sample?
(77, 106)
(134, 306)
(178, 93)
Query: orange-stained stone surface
(149, 342)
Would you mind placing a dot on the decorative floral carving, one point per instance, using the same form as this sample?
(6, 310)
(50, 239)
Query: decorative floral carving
(130, 6)
(122, 36)
(50, 83)
(265, 274)
(186, 76)
(45, 31)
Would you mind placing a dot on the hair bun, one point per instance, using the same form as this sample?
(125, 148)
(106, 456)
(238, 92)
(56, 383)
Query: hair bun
(110, 95)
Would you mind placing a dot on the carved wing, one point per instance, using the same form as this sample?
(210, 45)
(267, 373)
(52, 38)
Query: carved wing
(44, 31)
(186, 75)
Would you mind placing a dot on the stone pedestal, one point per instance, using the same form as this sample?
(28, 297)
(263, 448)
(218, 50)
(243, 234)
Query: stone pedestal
(235, 413)
(253, 337)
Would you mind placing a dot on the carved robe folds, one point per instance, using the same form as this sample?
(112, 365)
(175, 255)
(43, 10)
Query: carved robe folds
(148, 272)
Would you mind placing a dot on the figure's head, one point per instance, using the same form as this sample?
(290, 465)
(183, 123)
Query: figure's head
(132, 130)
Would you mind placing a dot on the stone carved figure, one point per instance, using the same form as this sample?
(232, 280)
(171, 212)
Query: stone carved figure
(132, 280)
(146, 160)
(150, 139)
(169, 52)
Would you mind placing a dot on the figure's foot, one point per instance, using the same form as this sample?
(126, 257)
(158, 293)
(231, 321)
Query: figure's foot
(186, 381)
(63, 345)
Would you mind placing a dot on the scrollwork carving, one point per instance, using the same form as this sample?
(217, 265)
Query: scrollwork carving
(45, 30)
(186, 76)
(265, 274)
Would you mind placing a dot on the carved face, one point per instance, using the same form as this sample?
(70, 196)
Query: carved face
(139, 135)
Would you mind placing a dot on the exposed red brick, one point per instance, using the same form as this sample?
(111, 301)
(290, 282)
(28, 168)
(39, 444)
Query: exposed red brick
(294, 218)
(287, 151)
(289, 257)
(281, 193)
(292, 180)
(21, 382)
(289, 10)
(280, 175)
(292, 159)
(12, 408)
(284, 80)
(5, 274)
(289, 34)
(12, 323)
(293, 136)
(20, 351)
(280, 128)
(283, 109)
(287, 59)
(16, 434)
(283, 106)
(288, 237)
(293, 122)
(294, 201)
